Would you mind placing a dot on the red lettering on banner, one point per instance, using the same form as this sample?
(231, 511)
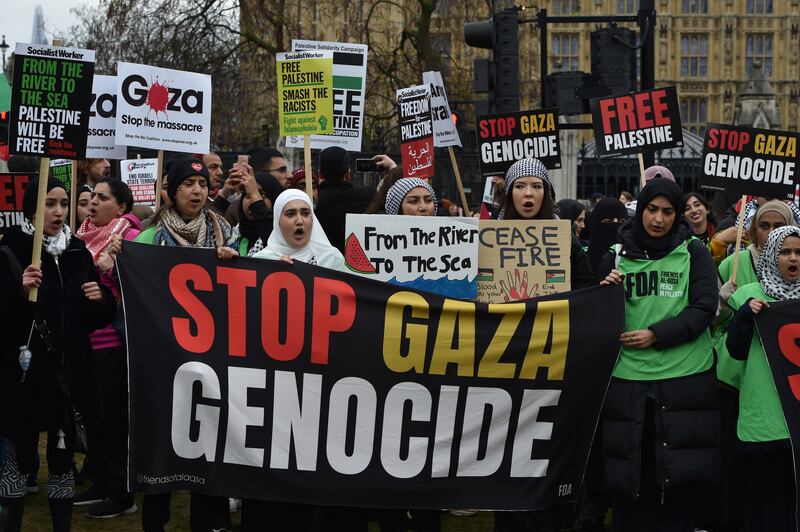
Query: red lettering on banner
(634, 112)
(325, 320)
(19, 190)
(5, 192)
(627, 119)
(179, 278)
(642, 108)
(660, 107)
(295, 315)
(607, 112)
(728, 139)
(237, 281)
(788, 338)
(497, 127)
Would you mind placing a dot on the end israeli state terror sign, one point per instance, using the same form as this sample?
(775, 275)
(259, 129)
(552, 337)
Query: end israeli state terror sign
(640, 121)
(416, 131)
(50, 97)
(305, 92)
(289, 382)
(746, 160)
(349, 95)
(163, 109)
(507, 138)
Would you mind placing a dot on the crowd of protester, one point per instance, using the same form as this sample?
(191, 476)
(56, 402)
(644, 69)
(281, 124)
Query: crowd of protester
(692, 435)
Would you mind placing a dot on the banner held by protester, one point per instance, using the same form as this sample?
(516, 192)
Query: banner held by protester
(101, 142)
(416, 131)
(507, 138)
(12, 187)
(349, 95)
(641, 121)
(751, 161)
(433, 253)
(305, 93)
(162, 108)
(520, 259)
(50, 98)
(328, 388)
(779, 330)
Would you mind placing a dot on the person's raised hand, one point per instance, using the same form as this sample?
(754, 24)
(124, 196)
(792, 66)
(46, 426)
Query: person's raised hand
(613, 277)
(31, 278)
(757, 305)
(225, 253)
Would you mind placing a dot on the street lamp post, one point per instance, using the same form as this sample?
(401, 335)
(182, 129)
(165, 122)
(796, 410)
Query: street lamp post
(4, 46)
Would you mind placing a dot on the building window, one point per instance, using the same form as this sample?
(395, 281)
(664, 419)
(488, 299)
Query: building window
(693, 115)
(565, 7)
(759, 7)
(565, 52)
(759, 49)
(694, 56)
(694, 6)
(627, 7)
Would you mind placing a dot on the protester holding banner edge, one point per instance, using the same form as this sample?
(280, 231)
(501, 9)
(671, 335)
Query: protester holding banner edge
(762, 431)
(660, 418)
(43, 381)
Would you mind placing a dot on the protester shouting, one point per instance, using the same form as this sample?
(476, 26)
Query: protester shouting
(697, 210)
(660, 419)
(529, 196)
(109, 222)
(769, 502)
(298, 236)
(607, 217)
(187, 222)
(45, 351)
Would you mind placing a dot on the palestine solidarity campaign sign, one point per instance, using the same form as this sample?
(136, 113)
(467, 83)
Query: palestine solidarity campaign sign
(753, 161)
(257, 378)
(50, 101)
(633, 123)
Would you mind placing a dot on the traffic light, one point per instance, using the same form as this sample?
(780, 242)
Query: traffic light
(500, 75)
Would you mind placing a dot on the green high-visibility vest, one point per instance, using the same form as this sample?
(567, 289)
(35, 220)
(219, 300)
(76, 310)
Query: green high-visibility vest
(657, 290)
(760, 412)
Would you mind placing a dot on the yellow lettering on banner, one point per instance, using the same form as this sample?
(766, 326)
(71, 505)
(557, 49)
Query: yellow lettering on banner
(551, 326)
(490, 365)
(779, 145)
(462, 313)
(415, 333)
(538, 123)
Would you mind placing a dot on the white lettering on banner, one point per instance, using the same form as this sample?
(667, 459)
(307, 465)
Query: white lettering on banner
(529, 429)
(516, 149)
(746, 168)
(351, 424)
(239, 381)
(207, 416)
(639, 137)
(290, 422)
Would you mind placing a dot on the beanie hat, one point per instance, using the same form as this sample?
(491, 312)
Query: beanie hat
(181, 169)
(398, 191)
(299, 174)
(527, 168)
(32, 191)
(657, 171)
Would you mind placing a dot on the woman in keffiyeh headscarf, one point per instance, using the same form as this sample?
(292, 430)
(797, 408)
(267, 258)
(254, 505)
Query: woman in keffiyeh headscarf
(763, 435)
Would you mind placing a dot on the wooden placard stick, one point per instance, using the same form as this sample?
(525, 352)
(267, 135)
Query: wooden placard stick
(159, 177)
(459, 184)
(641, 171)
(307, 166)
(38, 222)
(739, 231)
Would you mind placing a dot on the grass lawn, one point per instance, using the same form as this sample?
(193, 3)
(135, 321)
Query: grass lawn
(37, 513)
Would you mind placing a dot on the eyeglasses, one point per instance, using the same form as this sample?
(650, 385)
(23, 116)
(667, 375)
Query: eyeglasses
(282, 169)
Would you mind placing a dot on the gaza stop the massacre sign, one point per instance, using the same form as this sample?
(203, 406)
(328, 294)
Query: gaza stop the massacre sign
(295, 383)
(507, 138)
(50, 101)
(747, 160)
(163, 109)
(632, 123)
(101, 143)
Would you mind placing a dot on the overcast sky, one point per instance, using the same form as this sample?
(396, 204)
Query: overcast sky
(16, 22)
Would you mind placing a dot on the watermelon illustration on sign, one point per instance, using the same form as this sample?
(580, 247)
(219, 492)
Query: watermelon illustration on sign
(354, 256)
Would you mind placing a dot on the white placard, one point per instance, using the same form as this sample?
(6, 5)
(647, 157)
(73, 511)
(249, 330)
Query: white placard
(141, 176)
(444, 130)
(100, 143)
(163, 109)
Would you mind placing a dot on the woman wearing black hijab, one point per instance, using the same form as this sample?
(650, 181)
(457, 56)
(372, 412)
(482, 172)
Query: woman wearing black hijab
(255, 212)
(660, 418)
(607, 217)
(574, 211)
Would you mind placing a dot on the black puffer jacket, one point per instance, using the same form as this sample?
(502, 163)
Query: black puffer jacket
(685, 422)
(336, 200)
(40, 402)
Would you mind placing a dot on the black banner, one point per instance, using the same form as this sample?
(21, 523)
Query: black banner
(507, 138)
(256, 378)
(779, 330)
(416, 131)
(50, 98)
(12, 187)
(637, 122)
(746, 160)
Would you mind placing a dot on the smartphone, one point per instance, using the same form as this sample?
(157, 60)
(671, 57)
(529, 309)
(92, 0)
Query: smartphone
(366, 165)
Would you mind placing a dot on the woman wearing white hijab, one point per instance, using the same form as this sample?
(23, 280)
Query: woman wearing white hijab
(297, 234)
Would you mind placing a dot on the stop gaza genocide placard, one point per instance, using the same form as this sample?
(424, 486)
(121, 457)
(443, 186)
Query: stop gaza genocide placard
(747, 160)
(507, 138)
(633, 123)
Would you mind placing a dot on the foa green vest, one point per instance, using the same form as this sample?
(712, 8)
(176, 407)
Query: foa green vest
(657, 290)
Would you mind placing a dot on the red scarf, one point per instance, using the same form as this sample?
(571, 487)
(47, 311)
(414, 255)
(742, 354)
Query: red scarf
(97, 238)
